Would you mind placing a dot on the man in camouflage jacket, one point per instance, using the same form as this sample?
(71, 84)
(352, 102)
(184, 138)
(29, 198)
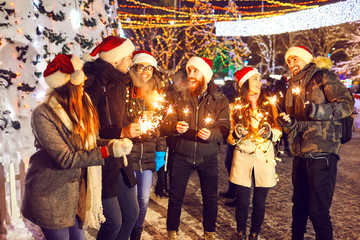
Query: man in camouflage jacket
(315, 102)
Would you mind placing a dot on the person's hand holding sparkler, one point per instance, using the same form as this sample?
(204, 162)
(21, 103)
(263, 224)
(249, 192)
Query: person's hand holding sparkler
(284, 119)
(204, 133)
(182, 126)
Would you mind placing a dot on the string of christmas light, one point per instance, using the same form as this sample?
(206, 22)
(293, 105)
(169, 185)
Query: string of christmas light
(324, 16)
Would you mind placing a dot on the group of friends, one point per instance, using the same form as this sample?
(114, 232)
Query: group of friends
(93, 165)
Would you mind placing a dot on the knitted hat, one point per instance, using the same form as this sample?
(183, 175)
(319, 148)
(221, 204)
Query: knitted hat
(301, 52)
(244, 74)
(204, 65)
(64, 68)
(144, 56)
(113, 48)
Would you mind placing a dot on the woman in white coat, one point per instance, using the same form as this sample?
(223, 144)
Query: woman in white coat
(254, 130)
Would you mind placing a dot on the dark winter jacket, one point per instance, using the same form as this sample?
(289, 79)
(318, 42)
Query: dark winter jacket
(215, 105)
(105, 80)
(318, 131)
(142, 156)
(53, 178)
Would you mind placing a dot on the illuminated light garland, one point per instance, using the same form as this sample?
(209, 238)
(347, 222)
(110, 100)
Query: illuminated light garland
(329, 15)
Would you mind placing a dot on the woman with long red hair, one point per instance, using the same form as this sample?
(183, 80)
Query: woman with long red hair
(63, 182)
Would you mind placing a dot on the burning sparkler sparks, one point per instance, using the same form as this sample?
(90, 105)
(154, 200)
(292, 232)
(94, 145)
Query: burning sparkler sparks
(297, 91)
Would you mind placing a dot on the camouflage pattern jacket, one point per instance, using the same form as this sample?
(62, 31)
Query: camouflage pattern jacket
(317, 132)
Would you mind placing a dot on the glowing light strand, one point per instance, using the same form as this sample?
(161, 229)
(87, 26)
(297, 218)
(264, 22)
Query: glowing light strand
(329, 15)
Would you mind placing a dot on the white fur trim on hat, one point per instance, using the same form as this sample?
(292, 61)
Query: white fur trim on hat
(247, 76)
(299, 52)
(57, 79)
(119, 52)
(144, 57)
(202, 66)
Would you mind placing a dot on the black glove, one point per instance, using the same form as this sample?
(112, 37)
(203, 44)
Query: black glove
(239, 131)
(309, 109)
(267, 134)
(284, 123)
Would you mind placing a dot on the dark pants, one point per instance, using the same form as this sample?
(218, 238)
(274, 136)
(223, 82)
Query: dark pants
(228, 162)
(121, 213)
(71, 233)
(242, 207)
(180, 171)
(314, 183)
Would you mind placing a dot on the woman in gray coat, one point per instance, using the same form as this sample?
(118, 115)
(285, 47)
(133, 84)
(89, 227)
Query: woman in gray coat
(63, 182)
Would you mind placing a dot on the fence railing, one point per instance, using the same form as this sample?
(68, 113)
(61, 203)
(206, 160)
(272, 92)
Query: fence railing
(9, 177)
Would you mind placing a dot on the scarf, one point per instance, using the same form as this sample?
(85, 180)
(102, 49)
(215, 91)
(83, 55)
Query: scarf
(300, 81)
(93, 206)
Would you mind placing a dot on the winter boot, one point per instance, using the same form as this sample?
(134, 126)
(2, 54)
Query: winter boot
(253, 236)
(136, 233)
(172, 235)
(239, 235)
(230, 193)
(161, 184)
(209, 235)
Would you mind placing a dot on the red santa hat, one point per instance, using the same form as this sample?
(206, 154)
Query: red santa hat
(113, 48)
(301, 52)
(64, 68)
(144, 56)
(204, 65)
(244, 74)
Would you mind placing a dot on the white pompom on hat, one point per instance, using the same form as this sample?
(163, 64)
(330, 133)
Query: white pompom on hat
(204, 65)
(301, 52)
(113, 49)
(244, 74)
(62, 69)
(144, 56)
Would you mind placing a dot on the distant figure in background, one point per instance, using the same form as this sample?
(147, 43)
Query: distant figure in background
(106, 86)
(148, 153)
(253, 133)
(231, 91)
(315, 102)
(63, 182)
(280, 89)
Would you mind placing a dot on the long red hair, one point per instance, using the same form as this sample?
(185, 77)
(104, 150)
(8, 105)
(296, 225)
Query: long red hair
(79, 109)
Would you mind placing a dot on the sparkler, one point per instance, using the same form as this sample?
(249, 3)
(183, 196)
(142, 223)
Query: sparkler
(186, 112)
(297, 91)
(273, 100)
(208, 120)
(148, 123)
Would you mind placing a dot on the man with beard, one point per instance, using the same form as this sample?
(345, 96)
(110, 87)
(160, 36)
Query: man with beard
(199, 124)
(315, 102)
(106, 85)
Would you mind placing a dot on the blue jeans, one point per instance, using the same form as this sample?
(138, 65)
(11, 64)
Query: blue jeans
(121, 213)
(71, 233)
(144, 182)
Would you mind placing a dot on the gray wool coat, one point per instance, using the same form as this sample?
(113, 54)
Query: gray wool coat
(53, 178)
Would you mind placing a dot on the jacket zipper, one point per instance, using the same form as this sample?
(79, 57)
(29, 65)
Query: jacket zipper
(141, 156)
(196, 129)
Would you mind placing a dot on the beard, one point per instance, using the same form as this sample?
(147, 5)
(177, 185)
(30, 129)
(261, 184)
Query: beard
(198, 88)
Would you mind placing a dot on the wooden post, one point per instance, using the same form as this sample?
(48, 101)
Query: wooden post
(15, 212)
(2, 199)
